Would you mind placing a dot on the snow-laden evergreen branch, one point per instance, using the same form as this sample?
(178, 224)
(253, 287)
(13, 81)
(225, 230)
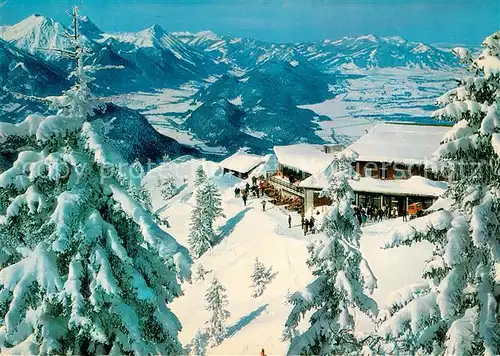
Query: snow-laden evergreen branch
(342, 276)
(81, 271)
(216, 304)
(458, 314)
(208, 208)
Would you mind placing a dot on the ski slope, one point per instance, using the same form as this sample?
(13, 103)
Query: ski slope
(247, 233)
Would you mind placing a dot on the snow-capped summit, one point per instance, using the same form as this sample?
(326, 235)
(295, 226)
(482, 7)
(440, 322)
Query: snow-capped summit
(36, 34)
(371, 38)
(421, 48)
(155, 37)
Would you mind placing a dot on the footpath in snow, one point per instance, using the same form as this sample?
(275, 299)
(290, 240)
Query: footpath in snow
(247, 233)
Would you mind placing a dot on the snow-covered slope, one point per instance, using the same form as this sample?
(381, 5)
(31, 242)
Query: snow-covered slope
(135, 138)
(22, 73)
(247, 233)
(161, 56)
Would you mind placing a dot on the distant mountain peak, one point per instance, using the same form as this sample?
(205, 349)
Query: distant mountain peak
(153, 36)
(395, 39)
(89, 28)
(208, 34)
(156, 29)
(369, 37)
(36, 32)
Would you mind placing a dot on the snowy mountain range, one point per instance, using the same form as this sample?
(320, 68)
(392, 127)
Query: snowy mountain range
(362, 52)
(149, 59)
(248, 91)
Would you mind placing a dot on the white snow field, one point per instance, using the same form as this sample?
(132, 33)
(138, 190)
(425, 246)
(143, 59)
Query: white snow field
(247, 233)
(387, 94)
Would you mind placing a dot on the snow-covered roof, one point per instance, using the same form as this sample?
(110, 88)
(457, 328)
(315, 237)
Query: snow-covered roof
(401, 143)
(415, 185)
(304, 157)
(242, 162)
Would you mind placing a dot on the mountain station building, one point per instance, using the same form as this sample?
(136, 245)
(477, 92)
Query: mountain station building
(391, 164)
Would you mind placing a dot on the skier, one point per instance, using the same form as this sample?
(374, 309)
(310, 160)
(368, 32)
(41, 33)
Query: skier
(254, 180)
(244, 197)
(289, 221)
(247, 187)
(263, 205)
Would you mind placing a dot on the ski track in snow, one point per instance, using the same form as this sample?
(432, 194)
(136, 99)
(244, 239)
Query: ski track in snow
(247, 233)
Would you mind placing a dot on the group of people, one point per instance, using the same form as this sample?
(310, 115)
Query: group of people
(255, 190)
(308, 225)
(377, 214)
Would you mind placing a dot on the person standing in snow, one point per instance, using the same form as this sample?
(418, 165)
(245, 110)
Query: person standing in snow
(302, 222)
(306, 226)
(380, 214)
(358, 215)
(289, 221)
(254, 180)
(244, 197)
(311, 225)
(247, 187)
(236, 192)
(263, 205)
(405, 215)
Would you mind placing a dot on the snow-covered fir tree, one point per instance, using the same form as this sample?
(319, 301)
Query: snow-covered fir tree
(457, 311)
(201, 273)
(342, 275)
(84, 269)
(135, 188)
(167, 186)
(261, 277)
(200, 176)
(208, 208)
(198, 346)
(216, 304)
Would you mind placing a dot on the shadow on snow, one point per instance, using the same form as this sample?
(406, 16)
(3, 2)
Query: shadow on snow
(245, 320)
(230, 225)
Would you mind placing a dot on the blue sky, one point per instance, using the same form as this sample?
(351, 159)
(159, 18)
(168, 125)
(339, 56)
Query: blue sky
(445, 22)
